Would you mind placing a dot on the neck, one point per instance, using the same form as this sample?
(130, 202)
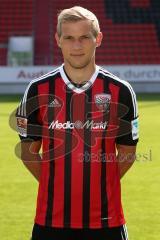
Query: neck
(80, 75)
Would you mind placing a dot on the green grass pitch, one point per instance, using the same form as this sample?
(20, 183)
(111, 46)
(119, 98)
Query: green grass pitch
(140, 186)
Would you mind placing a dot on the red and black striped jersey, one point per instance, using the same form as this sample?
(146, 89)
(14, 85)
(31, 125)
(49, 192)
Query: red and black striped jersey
(79, 126)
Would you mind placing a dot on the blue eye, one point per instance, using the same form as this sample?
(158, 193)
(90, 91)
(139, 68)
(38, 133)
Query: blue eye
(85, 37)
(68, 37)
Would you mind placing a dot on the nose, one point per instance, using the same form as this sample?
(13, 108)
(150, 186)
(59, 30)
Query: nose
(77, 45)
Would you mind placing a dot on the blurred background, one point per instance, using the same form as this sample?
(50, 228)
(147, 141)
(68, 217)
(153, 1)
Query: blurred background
(130, 50)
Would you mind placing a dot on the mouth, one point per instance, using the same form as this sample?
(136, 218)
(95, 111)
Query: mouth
(77, 55)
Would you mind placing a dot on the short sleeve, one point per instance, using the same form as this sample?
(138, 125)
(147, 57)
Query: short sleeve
(128, 133)
(27, 115)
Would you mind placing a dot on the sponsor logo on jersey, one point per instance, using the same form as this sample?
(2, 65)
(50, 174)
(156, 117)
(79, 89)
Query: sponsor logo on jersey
(103, 101)
(54, 103)
(135, 129)
(78, 125)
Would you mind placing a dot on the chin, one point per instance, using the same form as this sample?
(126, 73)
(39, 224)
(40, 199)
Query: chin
(79, 65)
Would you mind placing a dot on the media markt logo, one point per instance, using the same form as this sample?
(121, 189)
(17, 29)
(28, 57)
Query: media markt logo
(78, 125)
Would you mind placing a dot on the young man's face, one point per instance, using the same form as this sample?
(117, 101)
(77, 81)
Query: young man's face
(78, 43)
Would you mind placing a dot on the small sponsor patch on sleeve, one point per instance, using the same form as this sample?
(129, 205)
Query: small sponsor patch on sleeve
(135, 129)
(22, 126)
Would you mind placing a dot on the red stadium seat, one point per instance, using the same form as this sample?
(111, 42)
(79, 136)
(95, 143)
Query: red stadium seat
(140, 3)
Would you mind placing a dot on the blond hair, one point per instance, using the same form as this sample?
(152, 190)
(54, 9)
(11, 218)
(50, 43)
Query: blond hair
(75, 14)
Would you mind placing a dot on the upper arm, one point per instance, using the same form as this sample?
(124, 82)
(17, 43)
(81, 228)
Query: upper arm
(28, 118)
(128, 117)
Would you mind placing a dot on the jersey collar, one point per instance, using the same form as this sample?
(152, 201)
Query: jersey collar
(72, 86)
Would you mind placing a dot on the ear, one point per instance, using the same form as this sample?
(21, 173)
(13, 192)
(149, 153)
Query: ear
(57, 39)
(99, 39)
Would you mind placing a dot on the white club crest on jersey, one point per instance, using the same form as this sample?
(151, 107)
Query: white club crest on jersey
(103, 101)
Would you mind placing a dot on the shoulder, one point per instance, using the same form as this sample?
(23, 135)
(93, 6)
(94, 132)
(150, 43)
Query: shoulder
(45, 77)
(32, 86)
(125, 86)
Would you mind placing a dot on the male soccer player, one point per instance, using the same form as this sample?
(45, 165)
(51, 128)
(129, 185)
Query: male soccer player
(85, 120)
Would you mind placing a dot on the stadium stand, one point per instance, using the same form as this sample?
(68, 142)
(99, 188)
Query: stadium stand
(43, 33)
(140, 3)
(133, 32)
(131, 29)
(16, 19)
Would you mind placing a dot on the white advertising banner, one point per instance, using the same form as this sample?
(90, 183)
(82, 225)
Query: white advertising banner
(22, 74)
(131, 73)
(136, 73)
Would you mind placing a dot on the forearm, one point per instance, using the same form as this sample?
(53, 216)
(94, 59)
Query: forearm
(125, 158)
(31, 157)
(124, 165)
(34, 166)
